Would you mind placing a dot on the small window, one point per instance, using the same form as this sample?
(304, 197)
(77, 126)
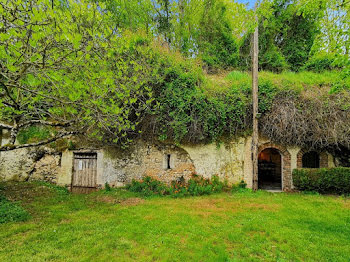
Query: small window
(168, 159)
(311, 160)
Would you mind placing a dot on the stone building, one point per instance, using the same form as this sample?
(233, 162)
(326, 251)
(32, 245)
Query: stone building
(91, 167)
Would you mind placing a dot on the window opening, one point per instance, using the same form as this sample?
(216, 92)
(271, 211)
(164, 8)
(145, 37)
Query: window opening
(168, 161)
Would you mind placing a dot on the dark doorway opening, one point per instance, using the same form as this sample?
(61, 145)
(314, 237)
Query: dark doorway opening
(270, 169)
(311, 160)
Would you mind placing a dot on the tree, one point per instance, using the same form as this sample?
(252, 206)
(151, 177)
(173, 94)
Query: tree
(64, 66)
(133, 15)
(216, 43)
(287, 35)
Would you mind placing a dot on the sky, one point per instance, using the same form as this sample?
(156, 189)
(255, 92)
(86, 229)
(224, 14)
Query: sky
(249, 2)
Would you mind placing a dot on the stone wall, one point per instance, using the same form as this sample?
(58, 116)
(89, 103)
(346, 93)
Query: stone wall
(231, 161)
(118, 167)
(29, 164)
(47, 168)
(39, 163)
(225, 160)
(326, 159)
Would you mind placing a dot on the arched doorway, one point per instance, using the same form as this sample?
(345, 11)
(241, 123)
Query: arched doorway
(270, 169)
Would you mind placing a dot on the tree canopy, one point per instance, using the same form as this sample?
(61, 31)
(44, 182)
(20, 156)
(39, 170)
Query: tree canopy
(112, 69)
(65, 66)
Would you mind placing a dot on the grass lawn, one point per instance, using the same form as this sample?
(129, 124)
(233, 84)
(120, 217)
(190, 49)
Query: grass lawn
(119, 226)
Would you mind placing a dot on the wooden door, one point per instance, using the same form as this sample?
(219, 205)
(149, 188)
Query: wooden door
(85, 170)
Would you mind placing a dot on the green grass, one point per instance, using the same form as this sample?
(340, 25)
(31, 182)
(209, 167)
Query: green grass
(117, 226)
(300, 81)
(304, 78)
(10, 211)
(33, 134)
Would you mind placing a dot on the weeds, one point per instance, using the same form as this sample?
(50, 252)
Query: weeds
(196, 186)
(11, 212)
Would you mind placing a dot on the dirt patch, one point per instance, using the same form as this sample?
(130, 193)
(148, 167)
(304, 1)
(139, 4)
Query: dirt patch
(255, 233)
(266, 207)
(223, 207)
(346, 204)
(65, 221)
(107, 199)
(131, 201)
(149, 218)
(210, 207)
(83, 190)
(183, 240)
(123, 202)
(25, 192)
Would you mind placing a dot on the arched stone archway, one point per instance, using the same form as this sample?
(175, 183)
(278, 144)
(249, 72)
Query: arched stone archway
(286, 174)
(323, 158)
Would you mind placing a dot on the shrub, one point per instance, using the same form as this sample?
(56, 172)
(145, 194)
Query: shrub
(273, 60)
(149, 186)
(323, 180)
(241, 187)
(323, 62)
(11, 212)
(107, 187)
(242, 184)
(196, 186)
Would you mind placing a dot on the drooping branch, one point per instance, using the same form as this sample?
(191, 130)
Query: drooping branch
(46, 123)
(44, 142)
(5, 126)
(15, 104)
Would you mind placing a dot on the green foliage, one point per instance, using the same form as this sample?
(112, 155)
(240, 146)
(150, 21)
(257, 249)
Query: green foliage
(194, 108)
(107, 187)
(323, 180)
(196, 186)
(33, 134)
(334, 20)
(273, 60)
(325, 62)
(126, 81)
(217, 44)
(132, 15)
(267, 92)
(109, 86)
(186, 113)
(292, 32)
(71, 145)
(241, 187)
(300, 81)
(209, 29)
(242, 184)
(149, 186)
(286, 36)
(11, 212)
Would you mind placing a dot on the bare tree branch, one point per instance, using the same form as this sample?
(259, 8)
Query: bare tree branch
(5, 126)
(44, 142)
